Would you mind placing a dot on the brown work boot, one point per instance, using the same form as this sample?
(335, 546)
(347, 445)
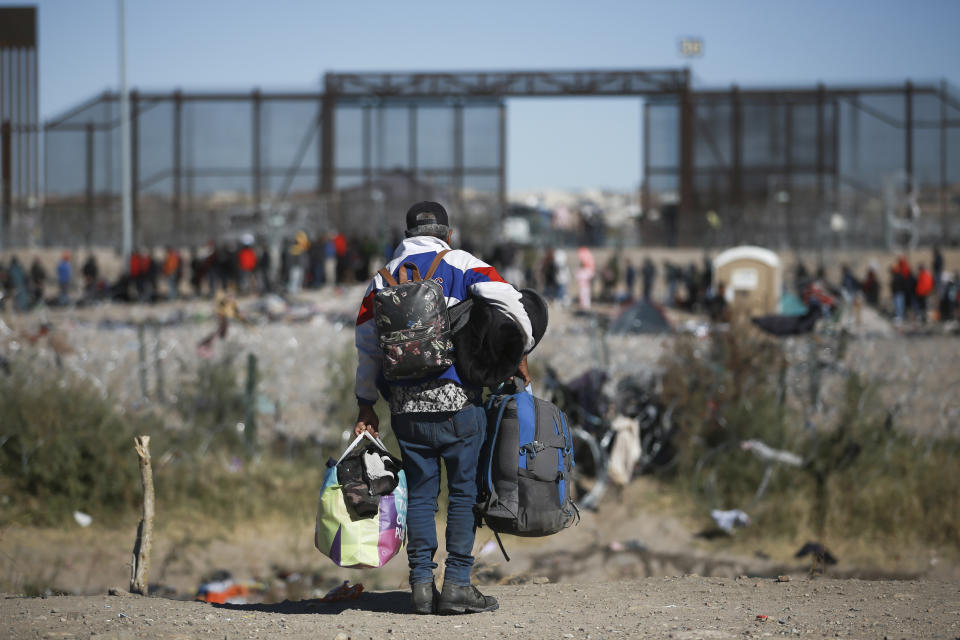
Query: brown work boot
(464, 599)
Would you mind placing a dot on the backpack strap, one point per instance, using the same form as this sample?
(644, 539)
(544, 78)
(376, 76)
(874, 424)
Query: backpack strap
(402, 275)
(387, 277)
(435, 263)
(502, 550)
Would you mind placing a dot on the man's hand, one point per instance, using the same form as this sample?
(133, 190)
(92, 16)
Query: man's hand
(523, 372)
(367, 420)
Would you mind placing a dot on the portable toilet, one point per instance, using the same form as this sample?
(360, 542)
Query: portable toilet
(751, 277)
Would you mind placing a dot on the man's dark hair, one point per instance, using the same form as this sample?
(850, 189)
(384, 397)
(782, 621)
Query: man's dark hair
(427, 219)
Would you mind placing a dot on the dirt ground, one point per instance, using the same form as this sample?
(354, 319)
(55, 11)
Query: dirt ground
(635, 534)
(609, 577)
(687, 607)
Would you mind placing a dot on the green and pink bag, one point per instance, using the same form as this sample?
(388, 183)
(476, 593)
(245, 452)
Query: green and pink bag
(361, 515)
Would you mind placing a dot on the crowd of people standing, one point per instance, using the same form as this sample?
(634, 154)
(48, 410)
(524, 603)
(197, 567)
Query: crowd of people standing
(252, 266)
(917, 292)
(249, 266)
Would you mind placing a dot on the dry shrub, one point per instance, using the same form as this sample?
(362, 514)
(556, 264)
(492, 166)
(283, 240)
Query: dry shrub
(65, 446)
(861, 478)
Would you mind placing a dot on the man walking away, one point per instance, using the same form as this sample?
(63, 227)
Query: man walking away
(437, 417)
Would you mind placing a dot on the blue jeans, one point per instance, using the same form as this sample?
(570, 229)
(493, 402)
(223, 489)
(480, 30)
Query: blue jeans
(424, 440)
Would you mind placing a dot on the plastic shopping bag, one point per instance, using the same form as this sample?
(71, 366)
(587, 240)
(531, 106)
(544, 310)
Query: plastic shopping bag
(348, 535)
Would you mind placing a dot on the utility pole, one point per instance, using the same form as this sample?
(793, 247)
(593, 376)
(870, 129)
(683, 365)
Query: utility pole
(125, 156)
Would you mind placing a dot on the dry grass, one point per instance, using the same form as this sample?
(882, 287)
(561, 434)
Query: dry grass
(65, 447)
(863, 481)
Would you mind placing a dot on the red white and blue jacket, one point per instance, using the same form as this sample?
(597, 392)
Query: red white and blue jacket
(461, 275)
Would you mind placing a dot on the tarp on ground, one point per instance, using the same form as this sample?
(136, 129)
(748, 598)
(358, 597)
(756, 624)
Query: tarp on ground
(641, 317)
(792, 305)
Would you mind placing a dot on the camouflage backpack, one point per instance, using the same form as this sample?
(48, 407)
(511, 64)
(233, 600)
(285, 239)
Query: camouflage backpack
(413, 325)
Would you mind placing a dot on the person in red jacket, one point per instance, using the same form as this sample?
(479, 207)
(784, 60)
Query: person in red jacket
(923, 290)
(138, 272)
(172, 272)
(247, 262)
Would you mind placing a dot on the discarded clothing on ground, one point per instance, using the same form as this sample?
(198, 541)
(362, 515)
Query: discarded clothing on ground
(789, 325)
(626, 449)
(769, 454)
(728, 520)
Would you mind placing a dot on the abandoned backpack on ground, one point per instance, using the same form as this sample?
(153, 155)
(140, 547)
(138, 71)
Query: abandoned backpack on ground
(524, 486)
(413, 325)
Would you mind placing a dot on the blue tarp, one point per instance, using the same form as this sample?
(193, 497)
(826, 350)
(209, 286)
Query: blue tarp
(791, 305)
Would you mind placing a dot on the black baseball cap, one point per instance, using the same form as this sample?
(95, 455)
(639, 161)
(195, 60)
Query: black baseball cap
(427, 217)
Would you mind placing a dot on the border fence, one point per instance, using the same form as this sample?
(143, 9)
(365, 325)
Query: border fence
(857, 166)
(219, 165)
(853, 166)
(19, 115)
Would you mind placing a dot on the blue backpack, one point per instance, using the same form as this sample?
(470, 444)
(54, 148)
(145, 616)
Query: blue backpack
(524, 484)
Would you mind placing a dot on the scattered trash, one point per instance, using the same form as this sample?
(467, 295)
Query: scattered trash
(626, 450)
(345, 591)
(762, 618)
(83, 519)
(727, 520)
(641, 317)
(488, 548)
(769, 454)
(221, 589)
(821, 556)
(789, 325)
(627, 545)
(783, 578)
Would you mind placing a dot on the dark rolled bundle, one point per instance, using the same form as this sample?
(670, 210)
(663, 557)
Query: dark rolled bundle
(488, 345)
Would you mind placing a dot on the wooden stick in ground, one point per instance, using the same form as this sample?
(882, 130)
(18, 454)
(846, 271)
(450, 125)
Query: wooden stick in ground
(140, 569)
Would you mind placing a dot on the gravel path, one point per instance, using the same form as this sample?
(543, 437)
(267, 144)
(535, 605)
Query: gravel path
(682, 608)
